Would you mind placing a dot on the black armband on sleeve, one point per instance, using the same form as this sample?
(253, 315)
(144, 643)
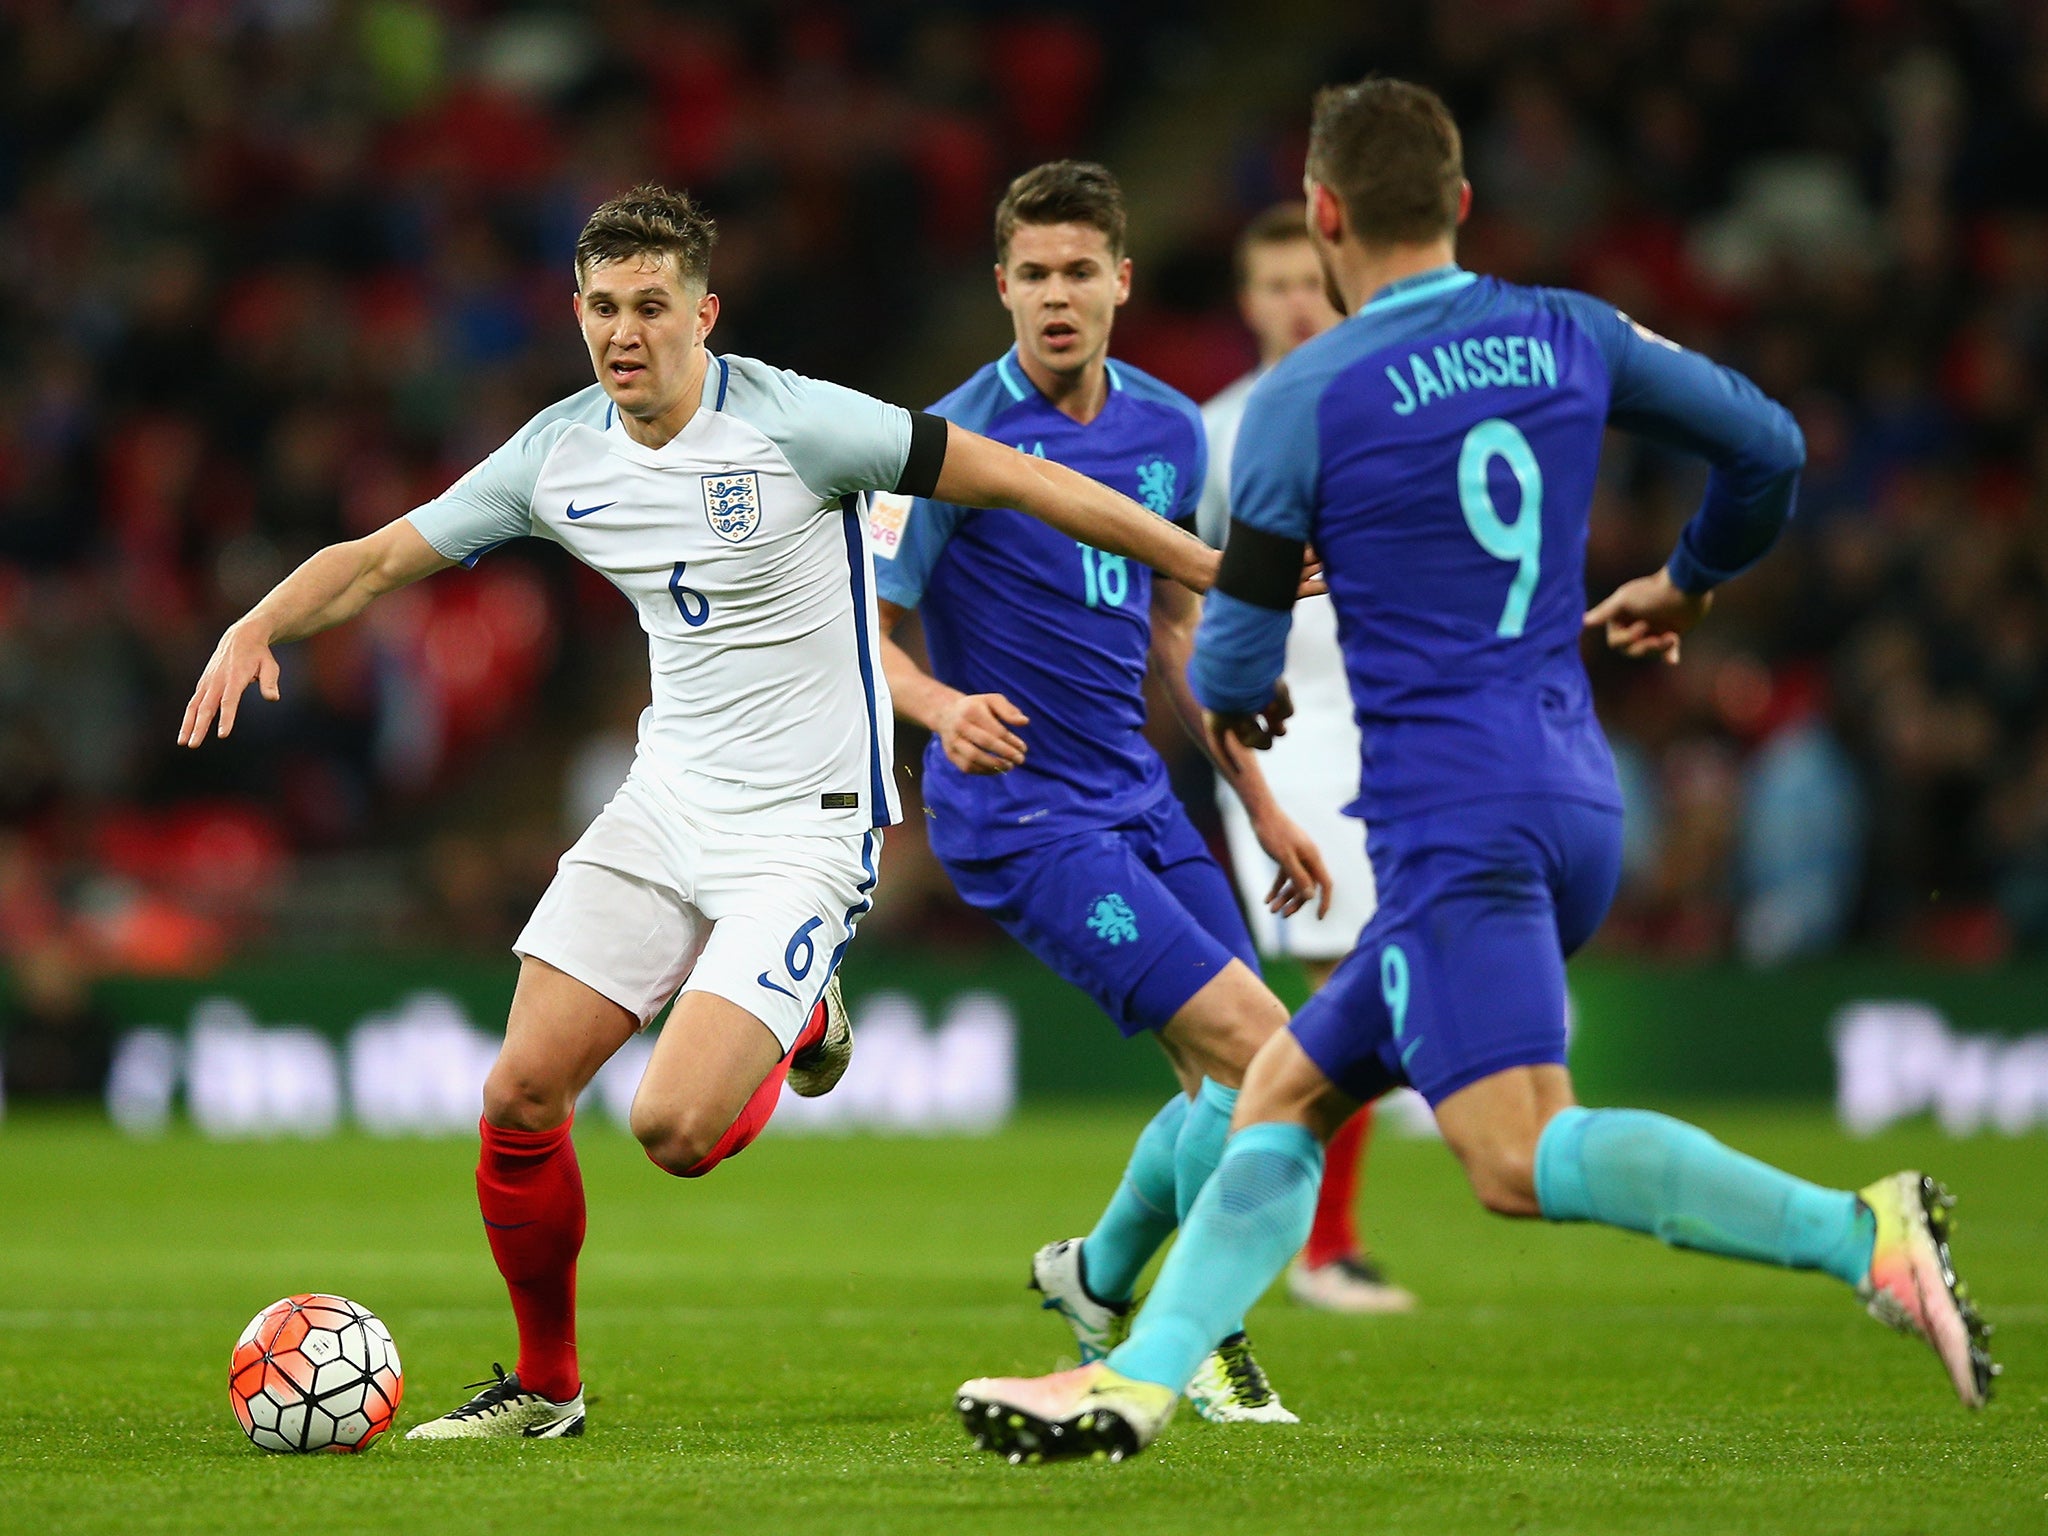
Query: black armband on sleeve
(1260, 568)
(927, 455)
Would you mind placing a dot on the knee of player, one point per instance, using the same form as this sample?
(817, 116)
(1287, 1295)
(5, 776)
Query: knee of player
(518, 1100)
(674, 1142)
(1504, 1179)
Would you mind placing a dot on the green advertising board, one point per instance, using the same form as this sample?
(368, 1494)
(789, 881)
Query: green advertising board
(1640, 1031)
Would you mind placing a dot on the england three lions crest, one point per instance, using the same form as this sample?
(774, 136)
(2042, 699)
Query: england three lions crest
(732, 504)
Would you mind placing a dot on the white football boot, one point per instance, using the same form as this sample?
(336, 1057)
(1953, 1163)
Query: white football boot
(1353, 1284)
(1912, 1286)
(1089, 1413)
(1098, 1326)
(504, 1410)
(1231, 1387)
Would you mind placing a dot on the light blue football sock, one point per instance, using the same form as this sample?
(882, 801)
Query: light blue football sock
(1140, 1215)
(1200, 1147)
(1649, 1173)
(1248, 1221)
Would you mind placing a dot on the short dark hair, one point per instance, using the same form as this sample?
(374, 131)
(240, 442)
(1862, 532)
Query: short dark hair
(1062, 192)
(1391, 151)
(1282, 224)
(650, 220)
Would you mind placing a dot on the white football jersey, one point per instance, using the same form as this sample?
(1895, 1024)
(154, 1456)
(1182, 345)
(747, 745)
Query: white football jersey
(742, 543)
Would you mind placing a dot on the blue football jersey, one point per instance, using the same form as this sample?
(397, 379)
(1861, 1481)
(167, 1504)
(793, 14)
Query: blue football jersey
(1061, 629)
(1439, 450)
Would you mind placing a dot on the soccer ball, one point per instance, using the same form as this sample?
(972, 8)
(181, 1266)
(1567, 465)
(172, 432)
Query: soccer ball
(315, 1373)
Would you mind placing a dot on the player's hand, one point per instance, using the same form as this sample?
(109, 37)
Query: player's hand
(1312, 583)
(1302, 875)
(1649, 617)
(1251, 730)
(242, 657)
(977, 736)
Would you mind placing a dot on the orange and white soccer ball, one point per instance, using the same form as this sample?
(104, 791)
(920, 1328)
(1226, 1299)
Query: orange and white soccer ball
(315, 1373)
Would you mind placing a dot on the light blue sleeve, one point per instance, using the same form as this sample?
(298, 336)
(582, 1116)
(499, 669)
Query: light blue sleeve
(493, 503)
(1241, 647)
(1274, 469)
(902, 578)
(1673, 396)
(838, 440)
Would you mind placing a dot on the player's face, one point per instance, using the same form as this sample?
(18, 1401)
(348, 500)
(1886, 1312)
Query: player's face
(1062, 285)
(1285, 300)
(643, 325)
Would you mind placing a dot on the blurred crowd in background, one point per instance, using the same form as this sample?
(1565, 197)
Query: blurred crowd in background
(273, 271)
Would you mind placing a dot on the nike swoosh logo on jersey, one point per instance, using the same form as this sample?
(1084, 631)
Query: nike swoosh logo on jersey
(505, 1226)
(776, 987)
(576, 511)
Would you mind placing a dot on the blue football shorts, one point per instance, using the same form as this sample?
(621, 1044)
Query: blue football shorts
(1140, 916)
(1460, 974)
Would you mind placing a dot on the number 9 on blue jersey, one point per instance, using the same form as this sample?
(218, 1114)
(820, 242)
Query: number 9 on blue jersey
(1521, 540)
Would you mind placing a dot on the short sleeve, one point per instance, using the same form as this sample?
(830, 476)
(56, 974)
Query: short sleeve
(838, 440)
(490, 505)
(493, 503)
(909, 534)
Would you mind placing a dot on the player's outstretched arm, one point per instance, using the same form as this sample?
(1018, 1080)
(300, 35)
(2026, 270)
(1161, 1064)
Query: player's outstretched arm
(332, 587)
(1303, 876)
(981, 473)
(977, 731)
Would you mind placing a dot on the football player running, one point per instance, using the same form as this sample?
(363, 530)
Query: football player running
(1439, 448)
(1045, 803)
(1312, 768)
(726, 499)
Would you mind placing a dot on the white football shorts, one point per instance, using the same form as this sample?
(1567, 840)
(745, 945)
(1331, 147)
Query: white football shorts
(649, 903)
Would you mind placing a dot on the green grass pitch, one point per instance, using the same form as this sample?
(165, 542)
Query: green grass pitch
(773, 1349)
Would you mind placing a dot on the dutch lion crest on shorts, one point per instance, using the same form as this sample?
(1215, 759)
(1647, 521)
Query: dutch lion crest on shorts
(732, 504)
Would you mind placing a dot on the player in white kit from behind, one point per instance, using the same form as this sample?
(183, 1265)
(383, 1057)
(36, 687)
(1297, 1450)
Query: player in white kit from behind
(1313, 769)
(727, 500)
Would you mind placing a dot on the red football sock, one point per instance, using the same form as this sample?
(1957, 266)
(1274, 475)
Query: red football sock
(531, 1194)
(1335, 1233)
(755, 1115)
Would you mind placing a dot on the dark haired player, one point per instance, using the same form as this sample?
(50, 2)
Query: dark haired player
(1047, 806)
(726, 499)
(1439, 449)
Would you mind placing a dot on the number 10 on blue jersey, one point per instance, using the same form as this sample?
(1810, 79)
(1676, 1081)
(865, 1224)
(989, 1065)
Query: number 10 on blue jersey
(1105, 579)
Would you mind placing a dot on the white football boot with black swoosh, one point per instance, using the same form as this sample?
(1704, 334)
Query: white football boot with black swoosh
(504, 1410)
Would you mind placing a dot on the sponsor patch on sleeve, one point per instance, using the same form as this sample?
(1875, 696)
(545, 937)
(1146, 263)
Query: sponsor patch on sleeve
(888, 516)
(1647, 334)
